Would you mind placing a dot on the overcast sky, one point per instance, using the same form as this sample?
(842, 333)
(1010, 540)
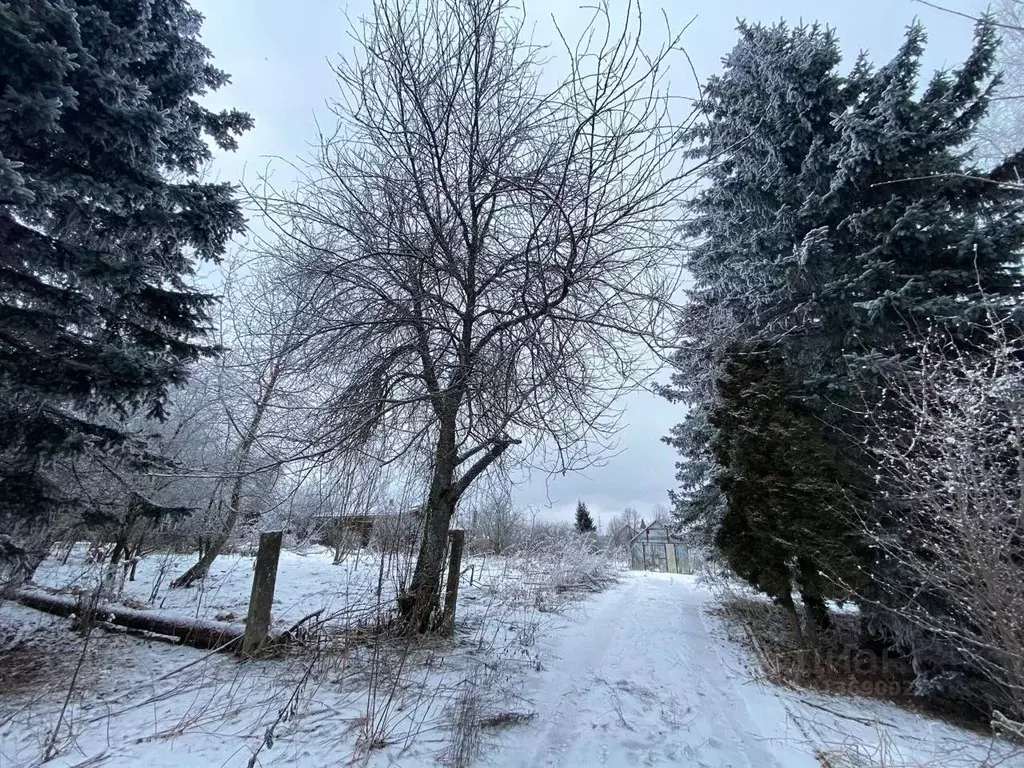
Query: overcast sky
(277, 54)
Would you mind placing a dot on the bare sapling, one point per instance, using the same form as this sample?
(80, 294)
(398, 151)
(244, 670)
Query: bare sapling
(254, 381)
(948, 444)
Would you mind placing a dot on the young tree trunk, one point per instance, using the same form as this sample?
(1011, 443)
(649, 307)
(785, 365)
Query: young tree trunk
(67, 552)
(122, 543)
(817, 612)
(818, 619)
(200, 569)
(786, 601)
(451, 592)
(123, 546)
(120, 548)
(214, 546)
(134, 554)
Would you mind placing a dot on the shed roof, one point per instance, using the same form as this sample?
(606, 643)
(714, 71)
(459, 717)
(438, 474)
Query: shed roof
(657, 531)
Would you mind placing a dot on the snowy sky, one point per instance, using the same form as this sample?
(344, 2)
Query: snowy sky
(277, 54)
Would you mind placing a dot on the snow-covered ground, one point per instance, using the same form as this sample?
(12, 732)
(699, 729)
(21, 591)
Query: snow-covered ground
(640, 674)
(646, 676)
(307, 581)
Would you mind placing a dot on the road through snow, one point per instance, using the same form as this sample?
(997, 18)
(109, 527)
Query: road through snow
(638, 679)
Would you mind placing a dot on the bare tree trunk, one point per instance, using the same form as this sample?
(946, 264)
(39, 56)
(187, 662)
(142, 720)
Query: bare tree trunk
(418, 604)
(216, 545)
(786, 601)
(123, 539)
(818, 619)
(451, 592)
(199, 634)
(120, 548)
(134, 553)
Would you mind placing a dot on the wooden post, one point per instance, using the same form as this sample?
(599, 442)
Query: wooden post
(264, 578)
(456, 543)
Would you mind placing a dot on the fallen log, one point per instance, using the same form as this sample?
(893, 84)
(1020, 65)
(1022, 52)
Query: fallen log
(199, 634)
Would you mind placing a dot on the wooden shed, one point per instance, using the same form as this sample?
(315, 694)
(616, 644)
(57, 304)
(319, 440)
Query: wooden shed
(356, 529)
(655, 548)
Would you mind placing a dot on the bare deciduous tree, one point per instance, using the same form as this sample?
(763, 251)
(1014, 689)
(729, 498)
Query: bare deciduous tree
(948, 441)
(263, 327)
(488, 257)
(623, 526)
(1002, 133)
(496, 524)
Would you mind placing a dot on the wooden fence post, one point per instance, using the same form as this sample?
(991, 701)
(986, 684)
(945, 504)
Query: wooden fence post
(457, 542)
(264, 579)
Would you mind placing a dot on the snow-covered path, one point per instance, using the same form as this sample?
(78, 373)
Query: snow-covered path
(639, 680)
(642, 674)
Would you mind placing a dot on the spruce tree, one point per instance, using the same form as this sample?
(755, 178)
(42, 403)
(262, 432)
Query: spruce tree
(929, 241)
(782, 483)
(840, 213)
(102, 223)
(584, 522)
(767, 139)
(924, 237)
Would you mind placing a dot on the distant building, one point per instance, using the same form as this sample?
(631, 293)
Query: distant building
(357, 530)
(655, 548)
(333, 529)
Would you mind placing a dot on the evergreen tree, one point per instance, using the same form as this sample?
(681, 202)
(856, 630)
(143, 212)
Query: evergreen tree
(102, 221)
(584, 522)
(927, 241)
(782, 482)
(767, 138)
(924, 238)
(841, 213)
